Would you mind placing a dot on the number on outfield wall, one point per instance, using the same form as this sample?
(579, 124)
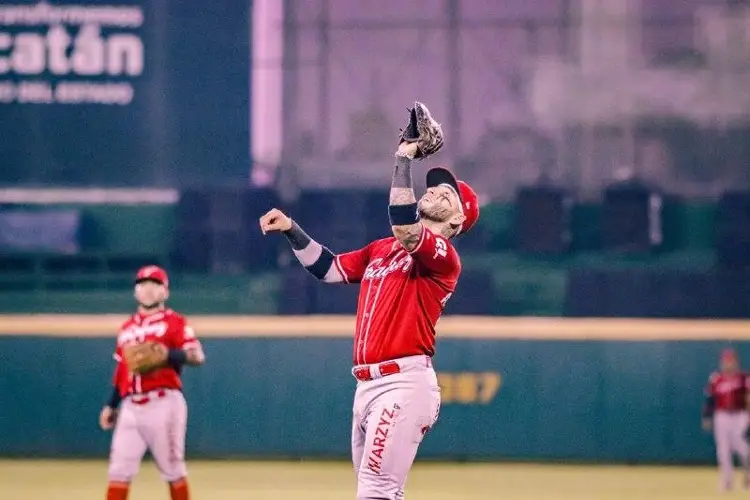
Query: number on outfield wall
(469, 388)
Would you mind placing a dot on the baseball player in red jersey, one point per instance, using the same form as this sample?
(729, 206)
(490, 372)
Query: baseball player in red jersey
(726, 411)
(147, 409)
(405, 281)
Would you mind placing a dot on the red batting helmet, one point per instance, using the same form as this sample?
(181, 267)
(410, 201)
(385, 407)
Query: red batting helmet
(469, 202)
(152, 273)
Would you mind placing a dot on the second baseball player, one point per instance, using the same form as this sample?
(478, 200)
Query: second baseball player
(726, 413)
(147, 409)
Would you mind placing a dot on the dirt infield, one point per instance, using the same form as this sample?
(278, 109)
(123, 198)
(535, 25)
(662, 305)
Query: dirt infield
(476, 327)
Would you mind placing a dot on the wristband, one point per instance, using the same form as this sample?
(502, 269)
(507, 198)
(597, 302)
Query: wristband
(176, 358)
(403, 215)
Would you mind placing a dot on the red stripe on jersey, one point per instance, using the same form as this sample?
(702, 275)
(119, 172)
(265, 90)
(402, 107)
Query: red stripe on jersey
(341, 269)
(361, 319)
(370, 314)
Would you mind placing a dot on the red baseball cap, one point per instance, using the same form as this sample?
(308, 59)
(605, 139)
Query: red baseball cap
(152, 273)
(467, 196)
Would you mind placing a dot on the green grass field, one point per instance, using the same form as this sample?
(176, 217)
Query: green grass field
(235, 480)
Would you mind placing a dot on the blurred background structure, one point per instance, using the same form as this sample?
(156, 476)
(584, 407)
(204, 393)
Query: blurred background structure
(602, 136)
(609, 140)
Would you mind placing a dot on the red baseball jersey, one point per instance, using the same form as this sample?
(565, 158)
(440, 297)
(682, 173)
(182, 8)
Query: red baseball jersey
(402, 295)
(166, 327)
(729, 390)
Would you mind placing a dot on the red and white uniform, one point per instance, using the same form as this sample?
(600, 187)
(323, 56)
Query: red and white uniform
(166, 327)
(401, 297)
(153, 414)
(729, 390)
(730, 422)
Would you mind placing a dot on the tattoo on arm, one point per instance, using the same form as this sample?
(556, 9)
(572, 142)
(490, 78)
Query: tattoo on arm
(402, 193)
(402, 175)
(408, 235)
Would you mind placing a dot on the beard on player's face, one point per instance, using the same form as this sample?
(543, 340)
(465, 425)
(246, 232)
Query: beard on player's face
(437, 205)
(150, 295)
(434, 213)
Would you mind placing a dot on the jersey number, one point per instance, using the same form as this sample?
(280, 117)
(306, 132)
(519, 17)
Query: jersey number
(441, 249)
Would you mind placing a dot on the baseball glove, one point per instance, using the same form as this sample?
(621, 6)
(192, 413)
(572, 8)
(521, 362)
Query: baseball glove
(424, 130)
(145, 357)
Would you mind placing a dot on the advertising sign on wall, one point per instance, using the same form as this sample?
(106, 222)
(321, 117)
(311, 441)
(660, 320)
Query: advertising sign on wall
(70, 54)
(119, 93)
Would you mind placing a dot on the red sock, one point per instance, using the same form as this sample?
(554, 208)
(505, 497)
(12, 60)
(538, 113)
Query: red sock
(178, 490)
(117, 490)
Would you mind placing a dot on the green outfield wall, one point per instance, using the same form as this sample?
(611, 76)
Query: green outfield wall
(520, 389)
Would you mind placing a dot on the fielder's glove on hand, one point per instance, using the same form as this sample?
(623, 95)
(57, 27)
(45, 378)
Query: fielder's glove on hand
(424, 130)
(145, 357)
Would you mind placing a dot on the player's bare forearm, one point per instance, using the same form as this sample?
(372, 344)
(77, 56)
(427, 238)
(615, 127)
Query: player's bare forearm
(194, 357)
(403, 202)
(402, 190)
(408, 236)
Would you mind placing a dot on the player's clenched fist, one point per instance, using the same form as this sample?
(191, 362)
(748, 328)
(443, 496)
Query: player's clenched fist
(107, 418)
(275, 220)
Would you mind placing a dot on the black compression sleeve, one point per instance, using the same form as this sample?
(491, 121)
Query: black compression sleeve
(297, 237)
(176, 358)
(115, 398)
(708, 407)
